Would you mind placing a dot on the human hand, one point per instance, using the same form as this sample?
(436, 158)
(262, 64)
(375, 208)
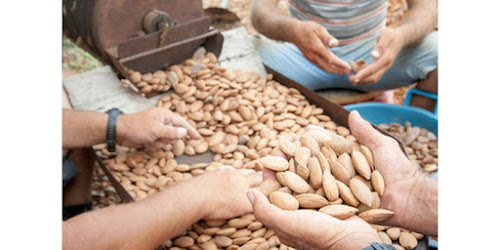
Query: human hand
(152, 128)
(312, 39)
(224, 192)
(304, 229)
(385, 52)
(401, 177)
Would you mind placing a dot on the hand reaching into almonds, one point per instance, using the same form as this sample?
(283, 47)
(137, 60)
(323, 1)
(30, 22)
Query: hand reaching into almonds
(304, 229)
(298, 228)
(313, 40)
(153, 128)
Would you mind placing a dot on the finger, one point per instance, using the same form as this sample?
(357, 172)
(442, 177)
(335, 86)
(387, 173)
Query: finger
(322, 62)
(374, 77)
(151, 146)
(335, 62)
(268, 174)
(375, 67)
(265, 212)
(382, 44)
(177, 120)
(255, 179)
(326, 38)
(365, 133)
(171, 133)
(278, 152)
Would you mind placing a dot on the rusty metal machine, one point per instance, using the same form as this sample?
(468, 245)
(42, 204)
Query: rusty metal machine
(144, 35)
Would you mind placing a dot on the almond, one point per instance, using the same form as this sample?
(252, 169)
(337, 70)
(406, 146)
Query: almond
(287, 146)
(346, 161)
(311, 200)
(376, 215)
(339, 144)
(378, 182)
(330, 186)
(323, 162)
(385, 238)
(311, 144)
(302, 171)
(393, 232)
(184, 241)
(361, 191)
(268, 186)
(275, 163)
(361, 164)
(283, 200)
(339, 172)
(239, 223)
(245, 112)
(302, 156)
(346, 194)
(368, 155)
(407, 240)
(339, 211)
(295, 182)
(315, 174)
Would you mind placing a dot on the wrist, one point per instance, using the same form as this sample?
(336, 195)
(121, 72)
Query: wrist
(121, 129)
(293, 28)
(400, 37)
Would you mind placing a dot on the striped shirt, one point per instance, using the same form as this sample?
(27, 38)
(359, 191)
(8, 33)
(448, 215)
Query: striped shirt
(347, 20)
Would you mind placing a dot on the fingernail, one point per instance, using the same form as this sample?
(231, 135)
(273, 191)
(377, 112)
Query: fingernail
(375, 54)
(333, 42)
(355, 112)
(250, 196)
(181, 132)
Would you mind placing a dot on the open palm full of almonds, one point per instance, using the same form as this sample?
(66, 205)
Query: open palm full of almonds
(243, 118)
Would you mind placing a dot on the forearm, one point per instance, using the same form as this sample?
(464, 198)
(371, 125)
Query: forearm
(83, 128)
(269, 20)
(139, 225)
(420, 20)
(420, 212)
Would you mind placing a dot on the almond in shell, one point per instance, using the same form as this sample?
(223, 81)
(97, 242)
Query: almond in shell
(361, 191)
(275, 163)
(311, 144)
(346, 194)
(361, 164)
(302, 156)
(407, 240)
(311, 200)
(330, 186)
(340, 172)
(286, 145)
(368, 155)
(346, 161)
(376, 215)
(293, 181)
(315, 174)
(339, 211)
(378, 182)
(283, 200)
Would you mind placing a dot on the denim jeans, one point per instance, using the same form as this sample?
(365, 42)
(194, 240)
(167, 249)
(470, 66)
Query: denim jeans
(412, 64)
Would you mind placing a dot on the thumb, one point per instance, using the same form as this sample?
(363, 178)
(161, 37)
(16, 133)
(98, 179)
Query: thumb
(264, 211)
(171, 133)
(366, 133)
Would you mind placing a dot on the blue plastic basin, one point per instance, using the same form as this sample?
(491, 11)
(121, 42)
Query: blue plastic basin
(390, 113)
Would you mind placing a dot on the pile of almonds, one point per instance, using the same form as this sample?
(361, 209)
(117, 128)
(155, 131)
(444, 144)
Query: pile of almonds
(242, 118)
(390, 235)
(315, 178)
(421, 144)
